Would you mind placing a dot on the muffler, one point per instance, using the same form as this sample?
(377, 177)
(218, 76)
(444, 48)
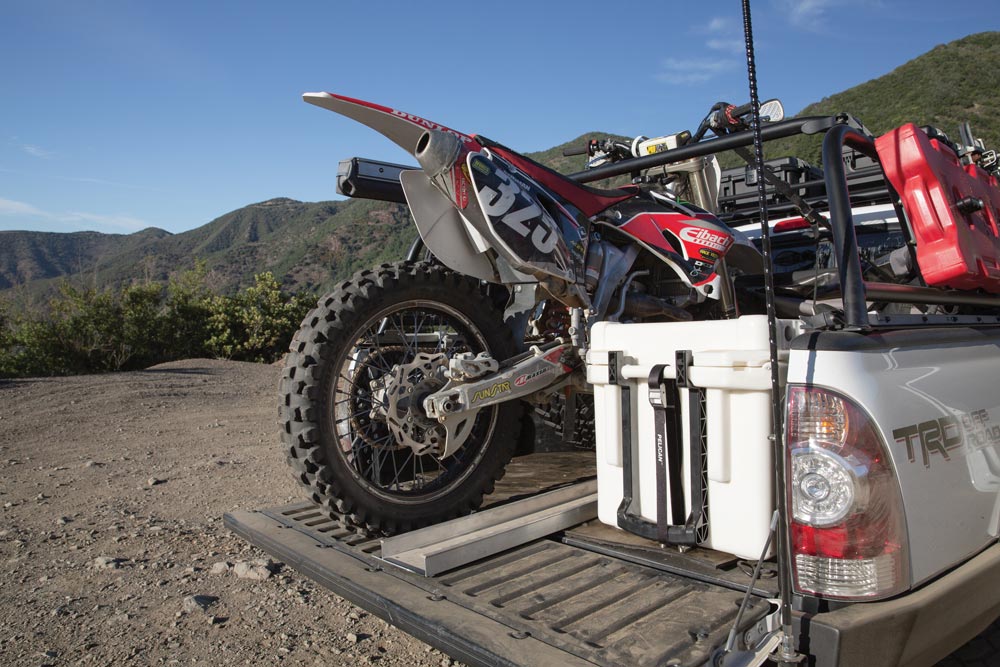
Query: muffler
(437, 152)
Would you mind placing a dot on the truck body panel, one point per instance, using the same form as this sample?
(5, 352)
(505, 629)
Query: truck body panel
(932, 395)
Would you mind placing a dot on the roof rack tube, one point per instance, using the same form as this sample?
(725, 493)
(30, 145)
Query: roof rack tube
(769, 132)
(845, 240)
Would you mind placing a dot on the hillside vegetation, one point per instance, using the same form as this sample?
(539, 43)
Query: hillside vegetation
(948, 85)
(307, 244)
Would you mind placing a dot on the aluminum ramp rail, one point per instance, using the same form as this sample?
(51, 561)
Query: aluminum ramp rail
(543, 603)
(445, 546)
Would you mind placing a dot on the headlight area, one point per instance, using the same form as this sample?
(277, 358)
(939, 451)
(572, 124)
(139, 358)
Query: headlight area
(848, 531)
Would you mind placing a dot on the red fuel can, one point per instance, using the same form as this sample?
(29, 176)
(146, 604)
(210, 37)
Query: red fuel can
(952, 208)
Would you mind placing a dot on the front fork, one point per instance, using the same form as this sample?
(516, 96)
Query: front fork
(476, 383)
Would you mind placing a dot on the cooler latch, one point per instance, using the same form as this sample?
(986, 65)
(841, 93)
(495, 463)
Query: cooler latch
(664, 397)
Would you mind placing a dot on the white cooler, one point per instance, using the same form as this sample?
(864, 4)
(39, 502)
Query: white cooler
(730, 364)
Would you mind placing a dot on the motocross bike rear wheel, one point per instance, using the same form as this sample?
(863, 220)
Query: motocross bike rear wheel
(372, 336)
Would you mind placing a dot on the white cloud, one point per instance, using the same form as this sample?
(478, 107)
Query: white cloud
(693, 70)
(31, 149)
(807, 14)
(724, 34)
(733, 45)
(78, 219)
(81, 179)
(721, 24)
(37, 151)
(11, 207)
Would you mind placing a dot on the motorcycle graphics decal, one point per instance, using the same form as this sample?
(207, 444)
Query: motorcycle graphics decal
(460, 182)
(525, 228)
(400, 127)
(431, 125)
(700, 243)
(490, 392)
(500, 203)
(528, 377)
(699, 236)
(942, 436)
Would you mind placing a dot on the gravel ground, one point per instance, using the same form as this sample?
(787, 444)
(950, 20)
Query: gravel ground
(114, 552)
(113, 547)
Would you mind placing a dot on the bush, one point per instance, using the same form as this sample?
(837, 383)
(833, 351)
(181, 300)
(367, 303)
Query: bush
(258, 323)
(86, 330)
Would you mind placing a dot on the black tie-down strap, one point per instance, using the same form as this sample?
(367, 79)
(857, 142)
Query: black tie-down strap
(664, 396)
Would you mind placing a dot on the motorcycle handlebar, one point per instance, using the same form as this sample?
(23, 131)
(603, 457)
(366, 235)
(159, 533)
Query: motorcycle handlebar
(579, 150)
(741, 110)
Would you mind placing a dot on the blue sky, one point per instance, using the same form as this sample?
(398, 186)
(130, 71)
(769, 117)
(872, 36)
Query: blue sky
(120, 115)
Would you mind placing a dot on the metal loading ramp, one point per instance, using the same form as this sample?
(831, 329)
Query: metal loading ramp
(543, 603)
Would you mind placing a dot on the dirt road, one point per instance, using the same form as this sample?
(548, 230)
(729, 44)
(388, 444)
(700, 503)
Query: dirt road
(112, 493)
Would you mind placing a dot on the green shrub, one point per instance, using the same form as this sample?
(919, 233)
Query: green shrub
(87, 330)
(258, 323)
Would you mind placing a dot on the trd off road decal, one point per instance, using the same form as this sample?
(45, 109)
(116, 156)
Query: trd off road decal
(967, 431)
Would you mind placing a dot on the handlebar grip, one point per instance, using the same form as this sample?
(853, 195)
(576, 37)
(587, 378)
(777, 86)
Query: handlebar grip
(579, 150)
(741, 110)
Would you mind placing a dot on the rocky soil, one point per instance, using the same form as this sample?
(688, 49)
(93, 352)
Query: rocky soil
(113, 549)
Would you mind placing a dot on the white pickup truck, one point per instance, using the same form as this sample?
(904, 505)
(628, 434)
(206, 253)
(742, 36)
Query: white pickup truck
(866, 535)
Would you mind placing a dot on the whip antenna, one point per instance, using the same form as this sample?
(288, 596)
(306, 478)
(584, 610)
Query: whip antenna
(786, 653)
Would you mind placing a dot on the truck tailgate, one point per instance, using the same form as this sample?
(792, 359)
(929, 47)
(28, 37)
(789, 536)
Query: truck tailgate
(932, 393)
(546, 603)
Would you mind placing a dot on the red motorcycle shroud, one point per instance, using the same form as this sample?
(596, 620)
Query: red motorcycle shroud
(955, 248)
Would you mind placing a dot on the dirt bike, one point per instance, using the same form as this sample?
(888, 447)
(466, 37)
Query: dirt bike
(403, 391)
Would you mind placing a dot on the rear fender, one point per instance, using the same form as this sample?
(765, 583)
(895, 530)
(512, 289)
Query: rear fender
(403, 129)
(443, 230)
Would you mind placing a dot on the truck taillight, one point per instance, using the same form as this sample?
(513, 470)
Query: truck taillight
(848, 534)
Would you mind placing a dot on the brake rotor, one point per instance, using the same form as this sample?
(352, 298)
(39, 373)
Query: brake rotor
(400, 403)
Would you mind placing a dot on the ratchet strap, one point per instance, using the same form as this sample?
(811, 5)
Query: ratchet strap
(665, 400)
(785, 190)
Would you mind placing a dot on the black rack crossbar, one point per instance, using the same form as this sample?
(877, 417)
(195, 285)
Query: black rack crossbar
(878, 189)
(770, 132)
(896, 293)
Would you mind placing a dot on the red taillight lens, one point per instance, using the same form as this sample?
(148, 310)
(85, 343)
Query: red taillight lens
(791, 225)
(848, 534)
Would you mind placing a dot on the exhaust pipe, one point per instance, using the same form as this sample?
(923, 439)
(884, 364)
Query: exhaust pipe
(437, 152)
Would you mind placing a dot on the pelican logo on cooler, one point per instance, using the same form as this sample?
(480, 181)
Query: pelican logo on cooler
(706, 237)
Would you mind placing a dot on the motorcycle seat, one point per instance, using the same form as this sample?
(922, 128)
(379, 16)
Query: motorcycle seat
(590, 201)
